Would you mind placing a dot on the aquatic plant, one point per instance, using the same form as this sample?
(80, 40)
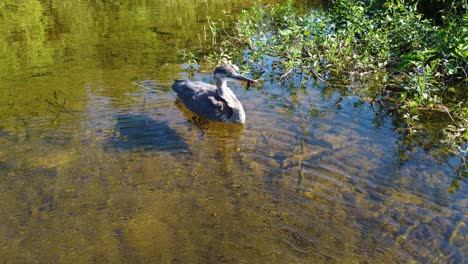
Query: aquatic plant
(388, 51)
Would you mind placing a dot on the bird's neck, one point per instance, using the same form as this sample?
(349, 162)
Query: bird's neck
(222, 89)
(228, 95)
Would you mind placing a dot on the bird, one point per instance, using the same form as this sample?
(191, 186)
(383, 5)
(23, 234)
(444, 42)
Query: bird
(218, 103)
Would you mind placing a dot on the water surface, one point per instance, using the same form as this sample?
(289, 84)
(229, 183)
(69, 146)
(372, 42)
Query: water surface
(100, 163)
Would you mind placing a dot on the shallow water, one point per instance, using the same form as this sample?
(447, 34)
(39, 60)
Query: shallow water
(100, 163)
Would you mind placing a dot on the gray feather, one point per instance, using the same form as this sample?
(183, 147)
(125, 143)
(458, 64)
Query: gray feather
(202, 99)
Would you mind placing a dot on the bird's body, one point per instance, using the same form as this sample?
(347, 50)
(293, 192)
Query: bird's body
(218, 102)
(204, 100)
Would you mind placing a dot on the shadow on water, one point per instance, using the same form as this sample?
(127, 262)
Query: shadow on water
(141, 132)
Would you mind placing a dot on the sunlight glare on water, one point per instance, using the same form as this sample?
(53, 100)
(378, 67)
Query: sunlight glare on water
(100, 163)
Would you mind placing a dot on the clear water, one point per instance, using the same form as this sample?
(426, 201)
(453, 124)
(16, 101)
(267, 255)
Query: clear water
(99, 163)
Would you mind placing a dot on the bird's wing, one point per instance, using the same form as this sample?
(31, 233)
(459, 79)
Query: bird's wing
(202, 99)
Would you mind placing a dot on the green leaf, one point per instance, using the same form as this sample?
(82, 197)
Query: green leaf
(410, 59)
(462, 51)
(451, 69)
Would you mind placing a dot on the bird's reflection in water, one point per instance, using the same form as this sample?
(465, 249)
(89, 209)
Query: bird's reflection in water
(221, 145)
(140, 132)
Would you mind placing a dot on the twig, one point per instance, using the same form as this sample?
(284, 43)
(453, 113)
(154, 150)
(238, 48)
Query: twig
(448, 112)
(286, 74)
(261, 66)
(62, 107)
(320, 78)
(224, 29)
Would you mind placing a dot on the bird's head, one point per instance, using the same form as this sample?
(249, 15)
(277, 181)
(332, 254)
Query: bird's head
(230, 71)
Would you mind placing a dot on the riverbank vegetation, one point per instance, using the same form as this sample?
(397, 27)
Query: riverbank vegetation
(413, 64)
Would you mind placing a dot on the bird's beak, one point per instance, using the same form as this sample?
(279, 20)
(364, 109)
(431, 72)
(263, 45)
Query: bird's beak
(244, 79)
